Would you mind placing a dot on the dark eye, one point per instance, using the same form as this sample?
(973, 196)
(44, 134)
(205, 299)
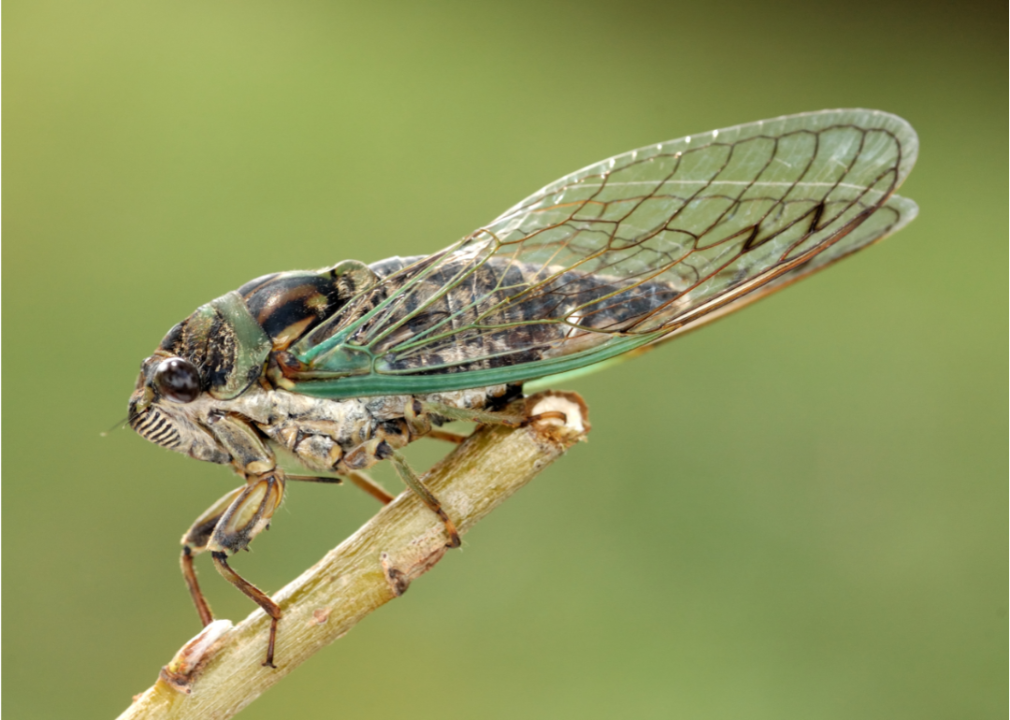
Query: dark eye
(178, 380)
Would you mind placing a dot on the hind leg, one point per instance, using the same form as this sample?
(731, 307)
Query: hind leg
(412, 481)
(486, 417)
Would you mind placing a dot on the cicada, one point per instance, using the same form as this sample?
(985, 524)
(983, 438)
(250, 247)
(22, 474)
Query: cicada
(344, 366)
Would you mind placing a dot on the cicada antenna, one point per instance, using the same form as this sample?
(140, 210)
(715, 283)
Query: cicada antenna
(120, 424)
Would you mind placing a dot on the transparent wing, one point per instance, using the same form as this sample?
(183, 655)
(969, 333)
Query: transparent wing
(629, 251)
(889, 218)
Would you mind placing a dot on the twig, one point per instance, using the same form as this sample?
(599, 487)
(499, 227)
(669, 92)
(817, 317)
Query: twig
(218, 672)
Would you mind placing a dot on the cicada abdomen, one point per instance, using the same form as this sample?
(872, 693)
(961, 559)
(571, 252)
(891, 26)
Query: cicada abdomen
(458, 317)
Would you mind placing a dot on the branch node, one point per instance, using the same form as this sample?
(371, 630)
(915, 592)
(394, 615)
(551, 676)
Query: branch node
(184, 668)
(321, 615)
(411, 562)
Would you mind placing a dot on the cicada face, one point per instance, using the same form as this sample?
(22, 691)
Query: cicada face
(162, 407)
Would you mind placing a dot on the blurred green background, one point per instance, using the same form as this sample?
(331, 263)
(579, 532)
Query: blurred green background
(799, 512)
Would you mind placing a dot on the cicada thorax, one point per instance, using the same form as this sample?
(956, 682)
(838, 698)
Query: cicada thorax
(288, 305)
(231, 338)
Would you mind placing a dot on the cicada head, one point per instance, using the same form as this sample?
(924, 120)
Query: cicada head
(212, 356)
(158, 412)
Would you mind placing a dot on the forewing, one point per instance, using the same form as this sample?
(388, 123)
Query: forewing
(892, 216)
(629, 250)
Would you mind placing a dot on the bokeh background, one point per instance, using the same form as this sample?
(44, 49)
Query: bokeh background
(799, 512)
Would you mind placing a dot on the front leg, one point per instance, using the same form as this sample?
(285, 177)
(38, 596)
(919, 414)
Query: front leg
(245, 518)
(195, 542)
(256, 595)
(228, 526)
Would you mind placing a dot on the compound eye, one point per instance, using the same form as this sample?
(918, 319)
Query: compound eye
(178, 380)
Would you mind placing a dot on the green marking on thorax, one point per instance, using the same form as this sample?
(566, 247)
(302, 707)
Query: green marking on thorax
(252, 345)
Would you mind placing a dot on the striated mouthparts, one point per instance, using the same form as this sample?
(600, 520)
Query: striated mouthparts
(155, 427)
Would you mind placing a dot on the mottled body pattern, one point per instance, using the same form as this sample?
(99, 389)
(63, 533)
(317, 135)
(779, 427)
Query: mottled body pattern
(511, 332)
(344, 366)
(320, 432)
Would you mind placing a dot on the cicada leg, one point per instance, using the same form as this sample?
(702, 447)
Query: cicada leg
(229, 525)
(256, 595)
(417, 414)
(412, 481)
(195, 542)
(363, 481)
(454, 438)
(482, 417)
(488, 417)
(247, 515)
(357, 478)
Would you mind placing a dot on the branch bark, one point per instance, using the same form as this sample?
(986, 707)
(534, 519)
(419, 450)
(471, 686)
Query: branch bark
(218, 672)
